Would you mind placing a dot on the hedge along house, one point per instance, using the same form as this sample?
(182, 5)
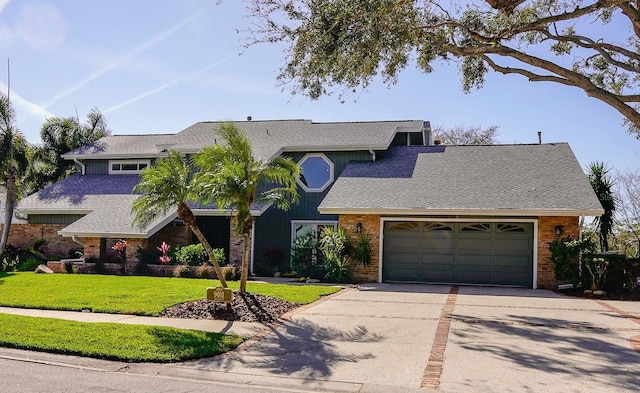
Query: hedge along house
(451, 214)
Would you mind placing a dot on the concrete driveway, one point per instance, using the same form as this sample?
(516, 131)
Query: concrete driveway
(386, 338)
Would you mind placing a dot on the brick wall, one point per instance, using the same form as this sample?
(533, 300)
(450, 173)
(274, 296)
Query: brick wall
(174, 234)
(546, 234)
(371, 226)
(23, 235)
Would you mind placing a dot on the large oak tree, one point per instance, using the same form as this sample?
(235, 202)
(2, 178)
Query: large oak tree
(342, 45)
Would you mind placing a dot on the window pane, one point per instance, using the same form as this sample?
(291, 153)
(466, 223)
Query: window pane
(130, 167)
(115, 167)
(316, 172)
(142, 166)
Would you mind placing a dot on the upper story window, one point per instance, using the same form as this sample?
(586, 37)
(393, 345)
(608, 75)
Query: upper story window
(317, 172)
(127, 167)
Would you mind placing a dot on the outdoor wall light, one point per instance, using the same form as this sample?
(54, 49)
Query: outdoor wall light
(359, 228)
(559, 231)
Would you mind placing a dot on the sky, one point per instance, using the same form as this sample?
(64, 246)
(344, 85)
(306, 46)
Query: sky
(158, 66)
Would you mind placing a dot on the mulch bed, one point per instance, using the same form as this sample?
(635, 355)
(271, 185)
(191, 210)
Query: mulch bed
(244, 308)
(579, 292)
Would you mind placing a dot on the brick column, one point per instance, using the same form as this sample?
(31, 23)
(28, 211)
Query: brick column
(546, 234)
(370, 226)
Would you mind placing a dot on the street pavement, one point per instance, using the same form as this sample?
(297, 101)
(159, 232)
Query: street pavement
(406, 338)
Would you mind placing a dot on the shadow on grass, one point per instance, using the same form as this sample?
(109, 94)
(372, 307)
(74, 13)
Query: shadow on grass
(300, 347)
(561, 348)
(180, 345)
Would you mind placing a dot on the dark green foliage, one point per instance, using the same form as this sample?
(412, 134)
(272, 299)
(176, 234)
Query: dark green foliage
(34, 249)
(363, 249)
(195, 255)
(603, 186)
(335, 247)
(148, 256)
(564, 256)
(306, 256)
(29, 265)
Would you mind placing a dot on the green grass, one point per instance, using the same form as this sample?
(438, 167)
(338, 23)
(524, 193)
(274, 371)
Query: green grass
(112, 341)
(127, 294)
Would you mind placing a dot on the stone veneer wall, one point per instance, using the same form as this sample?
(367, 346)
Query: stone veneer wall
(371, 226)
(23, 235)
(546, 234)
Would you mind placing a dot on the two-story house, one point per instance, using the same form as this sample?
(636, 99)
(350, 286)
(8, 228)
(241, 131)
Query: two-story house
(454, 214)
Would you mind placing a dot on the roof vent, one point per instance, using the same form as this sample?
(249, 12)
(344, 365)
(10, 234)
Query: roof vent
(248, 118)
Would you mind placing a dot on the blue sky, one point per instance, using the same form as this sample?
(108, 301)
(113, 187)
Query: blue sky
(158, 66)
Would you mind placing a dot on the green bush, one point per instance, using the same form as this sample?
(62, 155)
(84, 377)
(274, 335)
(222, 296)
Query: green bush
(148, 257)
(195, 255)
(335, 248)
(306, 258)
(29, 265)
(564, 256)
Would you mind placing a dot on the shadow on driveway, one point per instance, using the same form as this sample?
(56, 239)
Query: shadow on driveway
(562, 349)
(298, 348)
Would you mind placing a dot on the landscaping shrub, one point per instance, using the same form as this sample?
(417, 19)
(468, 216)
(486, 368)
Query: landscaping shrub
(306, 257)
(29, 265)
(195, 255)
(335, 248)
(564, 256)
(231, 273)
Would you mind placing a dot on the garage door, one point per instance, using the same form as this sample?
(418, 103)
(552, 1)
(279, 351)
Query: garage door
(493, 253)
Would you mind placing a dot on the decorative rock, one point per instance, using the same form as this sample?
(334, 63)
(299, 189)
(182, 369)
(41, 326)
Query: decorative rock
(588, 291)
(277, 274)
(313, 281)
(599, 293)
(43, 269)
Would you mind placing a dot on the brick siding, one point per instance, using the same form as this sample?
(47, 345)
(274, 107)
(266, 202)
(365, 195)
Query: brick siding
(370, 226)
(546, 234)
(55, 246)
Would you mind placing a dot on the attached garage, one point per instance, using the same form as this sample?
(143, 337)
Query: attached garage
(490, 253)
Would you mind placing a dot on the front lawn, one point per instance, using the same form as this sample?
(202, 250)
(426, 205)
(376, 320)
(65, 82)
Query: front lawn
(135, 343)
(128, 294)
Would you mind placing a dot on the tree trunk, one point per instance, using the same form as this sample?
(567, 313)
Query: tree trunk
(9, 206)
(186, 215)
(246, 245)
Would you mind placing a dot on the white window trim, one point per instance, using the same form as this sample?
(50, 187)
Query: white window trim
(127, 172)
(310, 222)
(331, 176)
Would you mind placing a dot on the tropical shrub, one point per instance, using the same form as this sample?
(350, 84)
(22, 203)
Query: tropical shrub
(564, 256)
(335, 247)
(306, 258)
(195, 255)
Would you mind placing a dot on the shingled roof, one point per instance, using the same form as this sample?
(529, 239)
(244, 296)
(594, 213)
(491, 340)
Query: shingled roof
(269, 138)
(541, 179)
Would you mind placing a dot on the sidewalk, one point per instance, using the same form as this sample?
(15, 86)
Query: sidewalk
(245, 329)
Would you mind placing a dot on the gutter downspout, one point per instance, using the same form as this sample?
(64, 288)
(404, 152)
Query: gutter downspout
(81, 165)
(373, 154)
(75, 239)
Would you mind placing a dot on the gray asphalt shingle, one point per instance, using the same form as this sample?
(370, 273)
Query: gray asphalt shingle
(499, 178)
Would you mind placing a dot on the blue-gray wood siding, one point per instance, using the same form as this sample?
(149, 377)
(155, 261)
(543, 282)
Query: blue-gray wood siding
(54, 218)
(273, 228)
(96, 167)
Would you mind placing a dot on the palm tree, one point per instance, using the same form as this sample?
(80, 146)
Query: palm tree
(165, 186)
(603, 186)
(230, 175)
(14, 151)
(60, 135)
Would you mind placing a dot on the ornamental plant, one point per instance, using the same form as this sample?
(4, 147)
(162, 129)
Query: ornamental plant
(164, 249)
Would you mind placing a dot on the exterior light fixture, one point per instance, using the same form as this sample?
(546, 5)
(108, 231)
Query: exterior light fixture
(359, 228)
(559, 230)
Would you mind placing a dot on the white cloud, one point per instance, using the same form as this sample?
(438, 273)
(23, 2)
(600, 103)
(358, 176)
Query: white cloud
(3, 4)
(41, 26)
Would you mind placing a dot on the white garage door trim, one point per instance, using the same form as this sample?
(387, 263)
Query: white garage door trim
(444, 219)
